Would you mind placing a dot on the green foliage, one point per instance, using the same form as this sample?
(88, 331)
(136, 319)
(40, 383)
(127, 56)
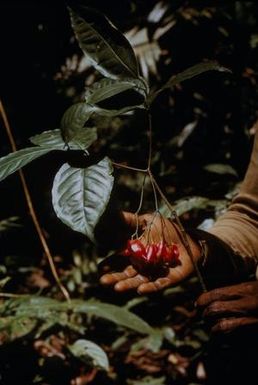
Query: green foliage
(219, 168)
(89, 351)
(106, 88)
(109, 51)
(9, 223)
(187, 74)
(15, 327)
(80, 195)
(87, 190)
(148, 380)
(74, 120)
(16, 160)
(53, 139)
(22, 315)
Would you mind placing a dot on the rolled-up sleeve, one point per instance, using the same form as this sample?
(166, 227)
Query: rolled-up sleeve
(238, 227)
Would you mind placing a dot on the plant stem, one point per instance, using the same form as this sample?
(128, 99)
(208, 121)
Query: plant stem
(154, 190)
(150, 141)
(12, 295)
(183, 235)
(31, 207)
(189, 250)
(121, 165)
(135, 234)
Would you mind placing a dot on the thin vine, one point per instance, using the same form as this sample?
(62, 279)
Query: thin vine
(31, 207)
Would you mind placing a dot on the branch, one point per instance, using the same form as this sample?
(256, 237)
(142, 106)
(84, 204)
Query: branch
(31, 207)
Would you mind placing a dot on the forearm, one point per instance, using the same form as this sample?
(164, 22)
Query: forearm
(238, 227)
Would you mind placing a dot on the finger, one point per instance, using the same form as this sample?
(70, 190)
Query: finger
(130, 283)
(221, 294)
(113, 278)
(228, 293)
(175, 276)
(151, 287)
(130, 219)
(229, 324)
(240, 306)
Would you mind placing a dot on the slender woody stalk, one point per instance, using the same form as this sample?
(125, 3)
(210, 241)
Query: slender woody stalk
(31, 207)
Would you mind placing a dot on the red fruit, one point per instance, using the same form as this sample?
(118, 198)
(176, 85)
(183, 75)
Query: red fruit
(136, 248)
(151, 254)
(170, 255)
(160, 248)
(149, 258)
(167, 254)
(175, 251)
(126, 252)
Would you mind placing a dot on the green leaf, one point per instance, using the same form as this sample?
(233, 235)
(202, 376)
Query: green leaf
(80, 195)
(16, 160)
(113, 113)
(106, 88)
(152, 342)
(107, 48)
(53, 139)
(44, 308)
(116, 314)
(16, 327)
(74, 119)
(85, 350)
(9, 223)
(189, 73)
(4, 281)
(220, 168)
(148, 380)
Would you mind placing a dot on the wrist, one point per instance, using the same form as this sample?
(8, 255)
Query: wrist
(217, 260)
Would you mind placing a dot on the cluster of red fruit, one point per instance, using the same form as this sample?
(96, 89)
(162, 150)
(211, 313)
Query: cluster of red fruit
(155, 254)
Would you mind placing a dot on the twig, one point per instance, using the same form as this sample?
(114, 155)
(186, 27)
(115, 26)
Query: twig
(31, 207)
(121, 165)
(12, 295)
(150, 140)
(154, 190)
(183, 235)
(135, 234)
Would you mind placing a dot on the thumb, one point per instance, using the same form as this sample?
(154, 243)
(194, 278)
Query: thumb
(130, 219)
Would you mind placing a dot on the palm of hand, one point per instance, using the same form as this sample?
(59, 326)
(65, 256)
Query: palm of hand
(157, 227)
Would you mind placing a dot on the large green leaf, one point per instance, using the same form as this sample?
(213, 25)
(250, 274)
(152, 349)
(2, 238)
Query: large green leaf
(16, 160)
(80, 195)
(116, 314)
(189, 73)
(109, 51)
(53, 139)
(106, 88)
(74, 119)
(44, 308)
(85, 350)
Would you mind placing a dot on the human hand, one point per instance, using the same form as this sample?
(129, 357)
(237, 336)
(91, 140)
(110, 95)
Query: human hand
(231, 307)
(156, 228)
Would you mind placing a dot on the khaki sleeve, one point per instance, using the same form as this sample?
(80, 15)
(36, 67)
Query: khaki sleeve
(238, 227)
